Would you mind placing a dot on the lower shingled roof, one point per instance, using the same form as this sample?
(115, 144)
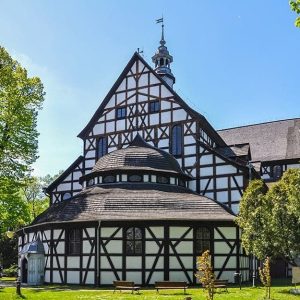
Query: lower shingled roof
(136, 202)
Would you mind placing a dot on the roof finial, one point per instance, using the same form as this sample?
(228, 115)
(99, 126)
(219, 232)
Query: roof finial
(161, 20)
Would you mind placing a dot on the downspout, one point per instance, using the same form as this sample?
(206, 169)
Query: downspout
(97, 253)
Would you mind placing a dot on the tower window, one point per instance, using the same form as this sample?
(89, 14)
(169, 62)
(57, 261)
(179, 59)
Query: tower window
(176, 143)
(74, 242)
(121, 113)
(134, 241)
(161, 62)
(154, 106)
(202, 240)
(102, 147)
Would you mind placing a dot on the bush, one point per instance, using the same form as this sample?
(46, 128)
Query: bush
(12, 271)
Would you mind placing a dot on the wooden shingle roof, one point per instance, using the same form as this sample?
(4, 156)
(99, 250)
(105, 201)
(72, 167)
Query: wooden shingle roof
(143, 201)
(278, 140)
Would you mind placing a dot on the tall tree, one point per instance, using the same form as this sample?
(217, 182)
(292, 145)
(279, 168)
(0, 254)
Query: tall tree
(270, 219)
(20, 99)
(295, 6)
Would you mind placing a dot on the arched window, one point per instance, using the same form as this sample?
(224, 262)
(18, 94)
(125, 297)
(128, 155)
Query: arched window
(66, 196)
(109, 179)
(202, 240)
(90, 182)
(176, 143)
(134, 241)
(102, 147)
(74, 241)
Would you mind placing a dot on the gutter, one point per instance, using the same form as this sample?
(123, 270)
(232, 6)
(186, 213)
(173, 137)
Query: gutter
(97, 253)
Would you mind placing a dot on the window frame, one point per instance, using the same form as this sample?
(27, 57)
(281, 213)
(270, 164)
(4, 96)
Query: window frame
(154, 109)
(122, 109)
(202, 240)
(104, 150)
(134, 240)
(175, 140)
(76, 243)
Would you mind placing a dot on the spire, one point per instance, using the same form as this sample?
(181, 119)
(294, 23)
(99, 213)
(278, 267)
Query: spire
(162, 58)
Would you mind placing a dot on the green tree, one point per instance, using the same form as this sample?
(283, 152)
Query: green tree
(20, 99)
(295, 6)
(269, 219)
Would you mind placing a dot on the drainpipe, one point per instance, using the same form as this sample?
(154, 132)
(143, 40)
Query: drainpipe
(98, 252)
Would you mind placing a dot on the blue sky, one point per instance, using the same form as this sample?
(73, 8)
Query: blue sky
(236, 62)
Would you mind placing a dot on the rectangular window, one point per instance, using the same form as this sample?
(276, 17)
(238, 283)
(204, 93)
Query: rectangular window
(176, 142)
(154, 106)
(102, 147)
(121, 113)
(74, 242)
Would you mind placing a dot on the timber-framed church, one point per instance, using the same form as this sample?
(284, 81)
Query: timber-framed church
(156, 185)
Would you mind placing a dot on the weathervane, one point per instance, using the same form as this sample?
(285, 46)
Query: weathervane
(161, 20)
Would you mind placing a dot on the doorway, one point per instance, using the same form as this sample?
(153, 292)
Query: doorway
(24, 270)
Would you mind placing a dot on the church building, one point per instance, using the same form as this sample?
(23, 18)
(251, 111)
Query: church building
(155, 186)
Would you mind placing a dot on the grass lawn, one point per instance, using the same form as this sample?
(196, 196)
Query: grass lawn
(279, 291)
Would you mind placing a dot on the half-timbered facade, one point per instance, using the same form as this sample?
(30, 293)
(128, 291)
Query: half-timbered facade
(156, 185)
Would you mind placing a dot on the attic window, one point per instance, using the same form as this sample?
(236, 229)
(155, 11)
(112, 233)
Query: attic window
(121, 113)
(135, 178)
(154, 106)
(109, 179)
(162, 179)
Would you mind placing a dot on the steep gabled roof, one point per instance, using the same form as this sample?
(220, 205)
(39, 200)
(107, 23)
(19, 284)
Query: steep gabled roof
(278, 140)
(203, 122)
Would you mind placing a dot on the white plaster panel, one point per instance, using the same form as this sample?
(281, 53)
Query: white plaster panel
(189, 139)
(165, 92)
(225, 170)
(76, 175)
(73, 276)
(153, 79)
(157, 231)
(85, 260)
(64, 187)
(222, 197)
(154, 119)
(188, 150)
(120, 97)
(239, 180)
(76, 185)
(134, 262)
(47, 276)
(221, 248)
(122, 86)
(111, 102)
(235, 208)
(228, 232)
(177, 232)
(206, 159)
(222, 183)
(110, 126)
(165, 105)
(107, 277)
(186, 260)
(165, 117)
(134, 276)
(142, 98)
(156, 276)
(203, 183)
(73, 261)
(154, 91)
(61, 261)
(208, 171)
(131, 84)
(86, 247)
(90, 154)
(89, 163)
(57, 232)
(143, 80)
(56, 277)
(146, 178)
(163, 143)
(151, 247)
(104, 263)
(235, 196)
(185, 247)
(108, 231)
(68, 178)
(153, 178)
(90, 278)
(172, 180)
(150, 261)
(179, 115)
(192, 185)
(30, 236)
(177, 276)
(60, 248)
(121, 125)
(293, 166)
(190, 161)
(114, 247)
(90, 231)
(219, 261)
(219, 160)
(117, 261)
